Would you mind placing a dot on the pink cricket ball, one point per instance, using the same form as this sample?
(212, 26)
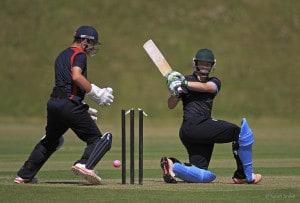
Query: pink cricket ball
(117, 163)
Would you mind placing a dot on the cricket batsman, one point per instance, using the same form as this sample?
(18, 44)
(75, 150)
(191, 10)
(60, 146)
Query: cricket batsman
(66, 109)
(199, 131)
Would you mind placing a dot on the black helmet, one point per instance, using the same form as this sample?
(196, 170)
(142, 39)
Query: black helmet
(87, 32)
(202, 70)
(205, 55)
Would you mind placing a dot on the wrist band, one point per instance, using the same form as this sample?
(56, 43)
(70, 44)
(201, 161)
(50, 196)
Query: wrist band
(185, 83)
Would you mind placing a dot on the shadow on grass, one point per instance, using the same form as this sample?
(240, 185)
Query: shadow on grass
(67, 182)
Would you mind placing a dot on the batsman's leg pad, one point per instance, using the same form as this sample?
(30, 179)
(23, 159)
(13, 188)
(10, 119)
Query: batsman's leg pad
(100, 149)
(193, 174)
(246, 136)
(246, 139)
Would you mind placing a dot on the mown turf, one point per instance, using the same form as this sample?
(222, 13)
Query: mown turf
(256, 44)
(57, 184)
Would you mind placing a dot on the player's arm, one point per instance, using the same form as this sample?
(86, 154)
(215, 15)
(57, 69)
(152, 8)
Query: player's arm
(99, 95)
(80, 80)
(173, 101)
(209, 86)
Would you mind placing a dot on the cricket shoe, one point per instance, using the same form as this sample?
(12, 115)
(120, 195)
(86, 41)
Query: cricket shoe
(168, 174)
(89, 175)
(20, 180)
(256, 179)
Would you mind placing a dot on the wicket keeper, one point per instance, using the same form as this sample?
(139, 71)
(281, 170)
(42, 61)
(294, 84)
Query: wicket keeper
(66, 109)
(199, 131)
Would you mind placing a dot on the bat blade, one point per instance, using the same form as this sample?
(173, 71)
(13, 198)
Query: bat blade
(157, 58)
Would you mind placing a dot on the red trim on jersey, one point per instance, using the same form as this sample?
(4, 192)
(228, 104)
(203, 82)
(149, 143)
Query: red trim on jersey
(76, 51)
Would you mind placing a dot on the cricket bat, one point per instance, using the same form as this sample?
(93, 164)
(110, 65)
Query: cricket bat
(157, 58)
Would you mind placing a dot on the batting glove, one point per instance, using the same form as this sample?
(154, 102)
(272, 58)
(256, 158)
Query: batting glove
(174, 87)
(174, 75)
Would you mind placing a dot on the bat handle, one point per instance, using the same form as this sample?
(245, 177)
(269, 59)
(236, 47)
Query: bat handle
(180, 89)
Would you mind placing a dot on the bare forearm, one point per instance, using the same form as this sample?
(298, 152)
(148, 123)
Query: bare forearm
(195, 86)
(201, 87)
(82, 82)
(172, 102)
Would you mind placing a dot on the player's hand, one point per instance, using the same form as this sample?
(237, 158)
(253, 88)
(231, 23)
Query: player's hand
(177, 87)
(102, 96)
(182, 89)
(179, 90)
(174, 87)
(174, 75)
(93, 113)
(108, 97)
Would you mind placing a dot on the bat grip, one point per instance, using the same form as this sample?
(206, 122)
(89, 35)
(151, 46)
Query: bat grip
(180, 89)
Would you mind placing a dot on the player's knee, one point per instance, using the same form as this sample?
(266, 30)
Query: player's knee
(51, 145)
(235, 132)
(93, 139)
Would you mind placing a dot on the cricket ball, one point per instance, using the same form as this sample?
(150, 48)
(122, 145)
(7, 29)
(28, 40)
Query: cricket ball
(117, 163)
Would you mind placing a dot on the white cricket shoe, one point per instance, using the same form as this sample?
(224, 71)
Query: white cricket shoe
(20, 180)
(89, 175)
(256, 179)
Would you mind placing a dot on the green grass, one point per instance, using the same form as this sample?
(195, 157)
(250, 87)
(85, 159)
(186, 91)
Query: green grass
(255, 43)
(275, 156)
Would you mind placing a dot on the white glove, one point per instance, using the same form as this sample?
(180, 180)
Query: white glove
(174, 75)
(93, 113)
(101, 96)
(109, 94)
(174, 87)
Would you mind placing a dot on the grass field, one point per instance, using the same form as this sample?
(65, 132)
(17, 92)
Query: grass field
(256, 44)
(276, 153)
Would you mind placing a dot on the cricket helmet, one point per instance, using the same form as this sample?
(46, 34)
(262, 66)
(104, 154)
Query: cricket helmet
(204, 62)
(205, 55)
(87, 32)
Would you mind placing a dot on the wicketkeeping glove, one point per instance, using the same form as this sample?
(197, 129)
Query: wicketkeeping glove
(102, 96)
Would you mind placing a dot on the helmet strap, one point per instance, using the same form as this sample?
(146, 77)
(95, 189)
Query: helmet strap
(89, 48)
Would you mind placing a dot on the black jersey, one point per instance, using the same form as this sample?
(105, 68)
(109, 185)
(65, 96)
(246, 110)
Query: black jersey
(68, 58)
(198, 105)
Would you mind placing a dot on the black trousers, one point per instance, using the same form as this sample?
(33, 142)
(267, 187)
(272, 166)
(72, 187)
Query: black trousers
(199, 138)
(62, 114)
